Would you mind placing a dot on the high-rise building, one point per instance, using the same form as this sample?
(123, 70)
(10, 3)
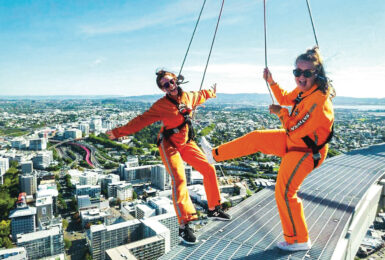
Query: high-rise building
(28, 183)
(112, 188)
(42, 243)
(91, 190)
(188, 172)
(162, 205)
(170, 221)
(155, 242)
(106, 179)
(124, 192)
(85, 128)
(143, 210)
(137, 174)
(17, 253)
(38, 144)
(4, 166)
(160, 178)
(88, 178)
(44, 207)
(48, 190)
(26, 167)
(96, 124)
(83, 201)
(72, 133)
(132, 161)
(22, 220)
(101, 238)
(42, 160)
(20, 143)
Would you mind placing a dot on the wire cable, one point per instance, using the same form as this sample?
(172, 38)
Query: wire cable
(192, 37)
(265, 36)
(312, 23)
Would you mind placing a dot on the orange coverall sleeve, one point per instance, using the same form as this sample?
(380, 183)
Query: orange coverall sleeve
(200, 97)
(316, 113)
(138, 123)
(284, 97)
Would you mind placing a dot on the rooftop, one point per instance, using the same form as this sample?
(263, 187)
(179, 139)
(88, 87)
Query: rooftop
(38, 235)
(330, 195)
(21, 212)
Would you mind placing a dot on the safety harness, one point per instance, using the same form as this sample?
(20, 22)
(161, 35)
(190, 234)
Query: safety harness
(185, 112)
(312, 146)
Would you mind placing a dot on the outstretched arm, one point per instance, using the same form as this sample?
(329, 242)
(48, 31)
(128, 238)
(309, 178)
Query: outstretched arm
(201, 96)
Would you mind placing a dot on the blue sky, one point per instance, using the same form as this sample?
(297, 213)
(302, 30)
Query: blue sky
(114, 47)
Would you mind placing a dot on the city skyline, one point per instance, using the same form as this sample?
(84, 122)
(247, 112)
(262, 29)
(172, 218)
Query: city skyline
(104, 48)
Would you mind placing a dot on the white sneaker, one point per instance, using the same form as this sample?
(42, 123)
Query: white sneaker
(207, 149)
(294, 247)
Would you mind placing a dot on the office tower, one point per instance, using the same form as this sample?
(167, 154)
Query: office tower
(44, 208)
(142, 210)
(124, 192)
(26, 167)
(38, 144)
(160, 178)
(91, 190)
(28, 183)
(101, 238)
(72, 134)
(22, 220)
(42, 243)
(4, 166)
(85, 128)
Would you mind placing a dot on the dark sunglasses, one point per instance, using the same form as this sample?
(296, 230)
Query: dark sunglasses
(306, 73)
(168, 84)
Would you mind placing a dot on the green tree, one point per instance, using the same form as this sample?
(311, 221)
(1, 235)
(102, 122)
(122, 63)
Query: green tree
(65, 224)
(134, 195)
(67, 243)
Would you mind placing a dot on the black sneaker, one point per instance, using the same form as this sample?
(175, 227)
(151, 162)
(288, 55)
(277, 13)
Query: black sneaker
(186, 235)
(218, 213)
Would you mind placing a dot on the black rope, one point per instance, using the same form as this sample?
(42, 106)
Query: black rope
(192, 37)
(312, 23)
(264, 27)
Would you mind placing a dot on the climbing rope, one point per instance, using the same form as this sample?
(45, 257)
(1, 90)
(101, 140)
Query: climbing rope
(192, 37)
(212, 45)
(312, 23)
(265, 36)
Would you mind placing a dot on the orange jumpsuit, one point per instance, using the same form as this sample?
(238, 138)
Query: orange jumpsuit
(314, 117)
(176, 149)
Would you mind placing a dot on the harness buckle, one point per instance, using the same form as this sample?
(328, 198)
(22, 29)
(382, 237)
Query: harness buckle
(317, 156)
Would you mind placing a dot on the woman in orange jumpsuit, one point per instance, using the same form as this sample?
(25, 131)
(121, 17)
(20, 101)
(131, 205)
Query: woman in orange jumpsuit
(176, 144)
(301, 142)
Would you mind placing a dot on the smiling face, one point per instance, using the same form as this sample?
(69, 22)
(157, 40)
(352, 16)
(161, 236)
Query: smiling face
(305, 83)
(169, 85)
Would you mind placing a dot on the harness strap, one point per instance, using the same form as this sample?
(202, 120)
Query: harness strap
(167, 133)
(316, 148)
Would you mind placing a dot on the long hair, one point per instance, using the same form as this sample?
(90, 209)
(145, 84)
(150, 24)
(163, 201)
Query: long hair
(162, 73)
(324, 83)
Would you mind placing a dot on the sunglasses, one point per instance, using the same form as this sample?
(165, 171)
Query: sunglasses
(306, 73)
(168, 84)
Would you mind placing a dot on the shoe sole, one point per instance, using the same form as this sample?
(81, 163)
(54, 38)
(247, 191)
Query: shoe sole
(218, 218)
(187, 242)
(294, 249)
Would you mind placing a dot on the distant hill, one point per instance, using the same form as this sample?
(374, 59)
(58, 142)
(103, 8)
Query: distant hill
(222, 98)
(260, 99)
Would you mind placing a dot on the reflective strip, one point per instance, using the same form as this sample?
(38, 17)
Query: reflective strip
(173, 181)
(304, 119)
(287, 190)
